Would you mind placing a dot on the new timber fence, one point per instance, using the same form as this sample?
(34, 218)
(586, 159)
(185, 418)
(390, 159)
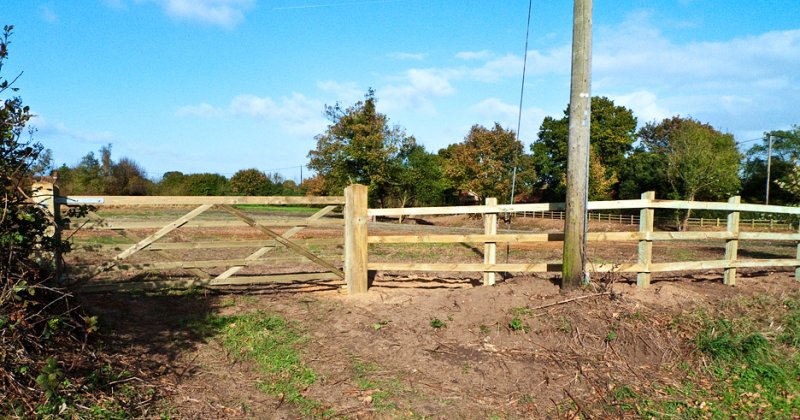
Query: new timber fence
(633, 219)
(161, 239)
(645, 237)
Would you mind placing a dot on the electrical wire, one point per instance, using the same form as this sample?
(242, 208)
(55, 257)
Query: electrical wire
(519, 119)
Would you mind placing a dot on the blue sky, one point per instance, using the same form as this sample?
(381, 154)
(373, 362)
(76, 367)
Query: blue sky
(222, 85)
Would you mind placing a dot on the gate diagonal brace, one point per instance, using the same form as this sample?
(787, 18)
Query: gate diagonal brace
(280, 239)
(144, 243)
(288, 234)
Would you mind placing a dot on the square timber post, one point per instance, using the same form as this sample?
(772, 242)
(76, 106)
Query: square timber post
(355, 239)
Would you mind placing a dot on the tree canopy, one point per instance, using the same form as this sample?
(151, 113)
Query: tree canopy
(484, 162)
(359, 146)
(613, 130)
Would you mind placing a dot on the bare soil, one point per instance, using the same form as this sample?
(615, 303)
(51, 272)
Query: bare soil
(570, 354)
(570, 350)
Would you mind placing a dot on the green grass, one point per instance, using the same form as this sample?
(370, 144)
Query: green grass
(750, 365)
(383, 391)
(273, 345)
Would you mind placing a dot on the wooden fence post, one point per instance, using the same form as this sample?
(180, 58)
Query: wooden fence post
(645, 244)
(355, 239)
(490, 248)
(797, 269)
(45, 194)
(732, 245)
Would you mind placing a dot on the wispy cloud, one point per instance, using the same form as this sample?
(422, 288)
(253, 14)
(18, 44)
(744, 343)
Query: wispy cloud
(347, 92)
(202, 110)
(474, 55)
(47, 13)
(492, 110)
(296, 114)
(225, 13)
(406, 56)
(60, 131)
(415, 89)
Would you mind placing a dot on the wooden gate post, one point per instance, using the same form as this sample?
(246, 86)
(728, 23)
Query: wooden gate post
(732, 244)
(490, 248)
(355, 238)
(646, 216)
(797, 256)
(45, 194)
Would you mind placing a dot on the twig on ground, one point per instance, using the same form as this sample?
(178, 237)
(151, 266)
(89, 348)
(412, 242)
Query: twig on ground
(570, 300)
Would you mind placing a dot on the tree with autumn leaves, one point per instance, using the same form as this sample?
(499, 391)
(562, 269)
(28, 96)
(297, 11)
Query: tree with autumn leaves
(678, 157)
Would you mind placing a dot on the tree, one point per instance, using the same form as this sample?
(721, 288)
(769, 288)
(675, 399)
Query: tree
(785, 151)
(419, 179)
(484, 162)
(250, 182)
(360, 147)
(700, 162)
(613, 130)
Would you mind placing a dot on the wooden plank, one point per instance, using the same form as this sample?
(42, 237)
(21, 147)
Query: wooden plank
(783, 262)
(732, 245)
(476, 238)
(118, 225)
(490, 248)
(483, 268)
(239, 262)
(288, 234)
(465, 267)
(593, 205)
(205, 245)
(505, 208)
(688, 265)
(275, 278)
(356, 251)
(112, 200)
(163, 254)
(683, 236)
(144, 243)
(769, 236)
(189, 283)
(163, 231)
(645, 256)
(702, 205)
(797, 270)
(287, 243)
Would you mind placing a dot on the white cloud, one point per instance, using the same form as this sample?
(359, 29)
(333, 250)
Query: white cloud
(745, 83)
(348, 92)
(407, 56)
(474, 55)
(296, 114)
(224, 13)
(415, 91)
(203, 110)
(48, 14)
(644, 105)
(492, 110)
(58, 130)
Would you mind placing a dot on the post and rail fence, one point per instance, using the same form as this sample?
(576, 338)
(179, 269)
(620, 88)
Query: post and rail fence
(357, 239)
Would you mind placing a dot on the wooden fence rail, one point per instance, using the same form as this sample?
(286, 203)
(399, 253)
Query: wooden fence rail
(633, 219)
(645, 237)
(357, 240)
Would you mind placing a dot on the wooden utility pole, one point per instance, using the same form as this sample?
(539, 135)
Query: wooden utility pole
(769, 168)
(580, 101)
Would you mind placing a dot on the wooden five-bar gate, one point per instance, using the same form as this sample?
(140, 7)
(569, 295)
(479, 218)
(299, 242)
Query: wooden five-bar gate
(313, 253)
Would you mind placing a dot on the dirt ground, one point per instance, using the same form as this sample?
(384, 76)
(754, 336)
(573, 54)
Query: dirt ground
(569, 355)
(566, 354)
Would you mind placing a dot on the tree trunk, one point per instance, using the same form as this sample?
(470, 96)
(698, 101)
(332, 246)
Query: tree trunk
(685, 223)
